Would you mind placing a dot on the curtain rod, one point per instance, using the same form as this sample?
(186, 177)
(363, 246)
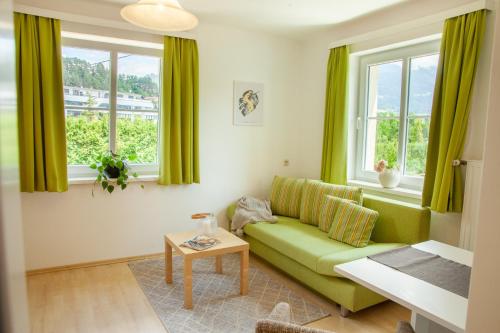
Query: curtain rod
(417, 23)
(95, 21)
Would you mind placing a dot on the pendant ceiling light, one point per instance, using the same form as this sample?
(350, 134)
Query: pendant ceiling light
(161, 15)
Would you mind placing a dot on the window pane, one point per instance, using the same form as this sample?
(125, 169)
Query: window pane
(138, 105)
(86, 97)
(384, 89)
(416, 147)
(421, 85)
(421, 89)
(382, 141)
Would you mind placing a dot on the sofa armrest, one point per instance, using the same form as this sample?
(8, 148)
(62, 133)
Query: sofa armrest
(230, 213)
(230, 210)
(398, 222)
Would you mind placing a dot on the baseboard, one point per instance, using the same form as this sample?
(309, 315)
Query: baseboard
(92, 264)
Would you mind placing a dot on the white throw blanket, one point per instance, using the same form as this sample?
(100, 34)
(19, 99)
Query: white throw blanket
(251, 210)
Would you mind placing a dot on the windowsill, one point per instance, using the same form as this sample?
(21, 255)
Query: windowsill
(377, 188)
(91, 180)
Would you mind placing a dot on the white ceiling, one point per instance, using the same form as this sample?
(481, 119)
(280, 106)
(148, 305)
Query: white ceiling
(293, 18)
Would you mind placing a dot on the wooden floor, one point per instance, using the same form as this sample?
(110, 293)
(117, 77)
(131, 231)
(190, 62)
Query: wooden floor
(108, 299)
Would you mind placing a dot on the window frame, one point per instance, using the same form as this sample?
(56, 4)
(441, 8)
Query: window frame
(403, 54)
(84, 171)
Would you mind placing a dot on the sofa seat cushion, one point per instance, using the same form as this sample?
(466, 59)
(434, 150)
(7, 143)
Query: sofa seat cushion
(327, 262)
(301, 242)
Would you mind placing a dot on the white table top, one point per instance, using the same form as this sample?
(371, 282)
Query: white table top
(437, 304)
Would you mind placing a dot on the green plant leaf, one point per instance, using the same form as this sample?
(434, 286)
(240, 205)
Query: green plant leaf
(119, 164)
(104, 185)
(123, 186)
(111, 188)
(112, 163)
(100, 168)
(99, 177)
(142, 186)
(135, 174)
(93, 166)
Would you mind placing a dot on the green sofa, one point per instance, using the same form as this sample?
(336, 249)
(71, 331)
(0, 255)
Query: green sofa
(307, 254)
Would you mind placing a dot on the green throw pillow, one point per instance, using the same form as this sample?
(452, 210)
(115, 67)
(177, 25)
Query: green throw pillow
(286, 194)
(353, 224)
(314, 193)
(328, 210)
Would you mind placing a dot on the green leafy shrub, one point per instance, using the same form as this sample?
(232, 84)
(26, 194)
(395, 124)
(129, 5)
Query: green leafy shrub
(88, 137)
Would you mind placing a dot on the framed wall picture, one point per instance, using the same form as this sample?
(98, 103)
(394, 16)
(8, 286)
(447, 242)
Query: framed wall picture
(248, 104)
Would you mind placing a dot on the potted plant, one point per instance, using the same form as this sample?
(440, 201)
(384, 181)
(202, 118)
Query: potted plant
(112, 171)
(388, 174)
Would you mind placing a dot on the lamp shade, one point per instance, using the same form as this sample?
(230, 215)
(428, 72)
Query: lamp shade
(160, 15)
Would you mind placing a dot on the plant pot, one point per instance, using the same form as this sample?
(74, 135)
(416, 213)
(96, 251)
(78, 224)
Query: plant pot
(112, 172)
(389, 178)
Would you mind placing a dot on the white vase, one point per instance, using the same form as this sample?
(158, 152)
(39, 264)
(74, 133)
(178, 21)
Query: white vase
(389, 178)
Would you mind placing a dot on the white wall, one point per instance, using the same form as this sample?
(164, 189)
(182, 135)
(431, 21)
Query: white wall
(444, 227)
(484, 297)
(73, 227)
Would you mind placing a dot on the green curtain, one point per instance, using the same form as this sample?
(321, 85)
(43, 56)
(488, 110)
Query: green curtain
(40, 100)
(460, 48)
(334, 161)
(179, 157)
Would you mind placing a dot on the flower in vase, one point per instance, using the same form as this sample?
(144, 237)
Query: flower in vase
(380, 166)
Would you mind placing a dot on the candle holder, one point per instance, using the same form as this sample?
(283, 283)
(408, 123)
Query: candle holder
(206, 224)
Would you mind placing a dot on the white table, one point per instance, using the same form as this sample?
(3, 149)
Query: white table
(433, 309)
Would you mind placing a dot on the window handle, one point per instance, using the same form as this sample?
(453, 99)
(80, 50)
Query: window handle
(358, 123)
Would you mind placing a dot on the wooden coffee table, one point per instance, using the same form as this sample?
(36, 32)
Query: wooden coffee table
(229, 244)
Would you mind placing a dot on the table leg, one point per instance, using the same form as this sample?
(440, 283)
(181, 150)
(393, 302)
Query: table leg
(188, 283)
(244, 272)
(168, 263)
(218, 264)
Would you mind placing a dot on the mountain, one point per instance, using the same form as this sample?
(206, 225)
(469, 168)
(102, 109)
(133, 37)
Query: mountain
(421, 87)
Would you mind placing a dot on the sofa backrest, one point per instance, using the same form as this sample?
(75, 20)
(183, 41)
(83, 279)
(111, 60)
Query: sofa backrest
(398, 222)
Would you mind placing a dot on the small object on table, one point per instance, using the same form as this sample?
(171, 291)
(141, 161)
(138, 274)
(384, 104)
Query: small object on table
(207, 223)
(200, 243)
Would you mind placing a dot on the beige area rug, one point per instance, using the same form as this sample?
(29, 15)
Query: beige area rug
(217, 304)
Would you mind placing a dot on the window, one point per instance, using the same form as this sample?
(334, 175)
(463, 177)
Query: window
(396, 90)
(111, 96)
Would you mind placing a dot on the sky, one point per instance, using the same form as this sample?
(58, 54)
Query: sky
(127, 64)
(425, 61)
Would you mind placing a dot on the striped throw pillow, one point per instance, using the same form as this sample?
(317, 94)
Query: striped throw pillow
(353, 224)
(314, 193)
(328, 210)
(286, 194)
